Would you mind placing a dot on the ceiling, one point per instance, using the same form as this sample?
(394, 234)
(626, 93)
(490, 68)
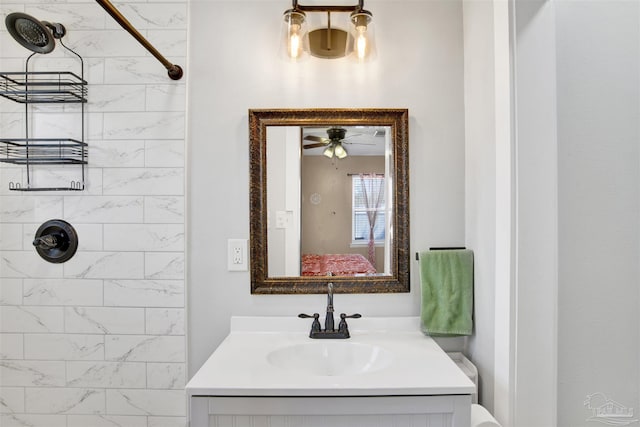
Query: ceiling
(359, 140)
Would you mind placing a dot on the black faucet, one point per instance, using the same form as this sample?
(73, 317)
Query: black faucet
(329, 331)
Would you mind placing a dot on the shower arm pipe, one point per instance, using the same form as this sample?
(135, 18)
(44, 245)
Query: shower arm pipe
(174, 71)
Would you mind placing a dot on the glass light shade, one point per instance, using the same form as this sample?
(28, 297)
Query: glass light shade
(295, 42)
(328, 152)
(363, 35)
(339, 151)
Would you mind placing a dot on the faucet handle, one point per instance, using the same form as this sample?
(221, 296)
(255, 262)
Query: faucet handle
(351, 316)
(342, 327)
(308, 316)
(315, 326)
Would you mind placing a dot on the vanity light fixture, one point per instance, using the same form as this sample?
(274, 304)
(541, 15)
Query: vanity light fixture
(328, 42)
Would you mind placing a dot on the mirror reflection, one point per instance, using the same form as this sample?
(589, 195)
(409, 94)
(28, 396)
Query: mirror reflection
(329, 193)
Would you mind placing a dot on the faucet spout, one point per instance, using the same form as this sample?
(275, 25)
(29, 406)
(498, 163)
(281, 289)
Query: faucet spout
(328, 320)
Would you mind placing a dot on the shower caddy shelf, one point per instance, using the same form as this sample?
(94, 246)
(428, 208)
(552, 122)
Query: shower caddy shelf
(45, 87)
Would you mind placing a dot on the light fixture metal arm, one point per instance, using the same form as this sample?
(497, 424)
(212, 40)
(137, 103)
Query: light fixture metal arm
(323, 8)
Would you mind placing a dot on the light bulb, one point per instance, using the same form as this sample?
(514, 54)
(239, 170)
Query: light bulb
(363, 37)
(361, 42)
(295, 41)
(294, 34)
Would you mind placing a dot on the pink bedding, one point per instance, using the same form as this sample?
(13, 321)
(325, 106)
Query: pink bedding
(337, 264)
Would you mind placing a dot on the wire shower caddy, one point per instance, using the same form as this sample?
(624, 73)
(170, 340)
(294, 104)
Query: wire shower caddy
(45, 87)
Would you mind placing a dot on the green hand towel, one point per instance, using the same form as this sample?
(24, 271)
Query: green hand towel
(447, 292)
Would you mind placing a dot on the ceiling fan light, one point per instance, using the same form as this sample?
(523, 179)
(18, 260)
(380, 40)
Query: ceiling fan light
(328, 152)
(339, 151)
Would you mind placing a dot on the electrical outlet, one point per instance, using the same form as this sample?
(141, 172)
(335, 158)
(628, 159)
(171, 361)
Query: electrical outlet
(237, 254)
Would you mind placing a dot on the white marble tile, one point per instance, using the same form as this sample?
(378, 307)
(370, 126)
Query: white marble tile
(17, 373)
(33, 420)
(11, 346)
(167, 422)
(62, 292)
(144, 293)
(96, 209)
(161, 265)
(64, 400)
(146, 402)
(63, 347)
(164, 209)
(90, 237)
(164, 153)
(10, 291)
(105, 265)
(166, 97)
(94, 71)
(144, 237)
(94, 125)
(27, 264)
(164, 321)
(31, 319)
(117, 98)
(63, 123)
(134, 69)
(105, 43)
(147, 181)
(76, 16)
(18, 209)
(166, 376)
(64, 176)
(115, 153)
(173, 44)
(144, 125)
(10, 176)
(106, 421)
(106, 374)
(12, 124)
(11, 400)
(153, 16)
(11, 237)
(145, 348)
(104, 320)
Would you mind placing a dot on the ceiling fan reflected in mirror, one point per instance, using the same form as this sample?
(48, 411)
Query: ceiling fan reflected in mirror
(334, 144)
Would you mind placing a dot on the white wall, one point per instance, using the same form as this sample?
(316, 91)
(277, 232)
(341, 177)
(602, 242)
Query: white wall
(480, 189)
(578, 166)
(235, 66)
(598, 78)
(489, 197)
(100, 340)
(536, 231)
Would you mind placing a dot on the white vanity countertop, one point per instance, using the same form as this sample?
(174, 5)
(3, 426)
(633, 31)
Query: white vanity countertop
(240, 366)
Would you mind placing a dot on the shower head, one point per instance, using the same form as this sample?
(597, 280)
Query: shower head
(37, 36)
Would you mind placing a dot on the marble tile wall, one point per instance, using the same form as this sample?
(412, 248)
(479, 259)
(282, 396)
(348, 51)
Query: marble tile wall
(99, 340)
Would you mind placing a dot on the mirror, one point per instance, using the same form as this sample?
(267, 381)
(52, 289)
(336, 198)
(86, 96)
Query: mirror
(329, 195)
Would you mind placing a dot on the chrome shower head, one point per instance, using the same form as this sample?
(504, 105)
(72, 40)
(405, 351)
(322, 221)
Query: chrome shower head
(37, 36)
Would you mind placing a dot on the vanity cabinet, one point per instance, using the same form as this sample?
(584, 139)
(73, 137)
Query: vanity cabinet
(268, 372)
(374, 411)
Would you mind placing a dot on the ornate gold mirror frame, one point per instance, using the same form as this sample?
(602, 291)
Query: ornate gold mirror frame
(259, 121)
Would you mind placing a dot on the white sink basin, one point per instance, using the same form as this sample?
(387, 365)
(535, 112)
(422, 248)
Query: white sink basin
(331, 358)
